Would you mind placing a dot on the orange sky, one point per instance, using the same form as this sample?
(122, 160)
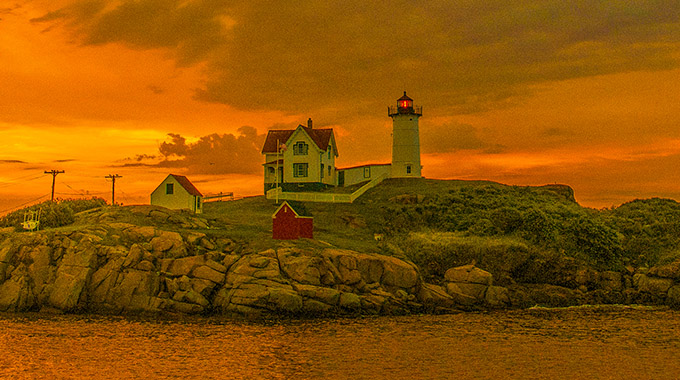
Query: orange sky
(519, 92)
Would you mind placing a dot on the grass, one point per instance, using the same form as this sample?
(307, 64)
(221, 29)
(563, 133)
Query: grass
(250, 219)
(344, 225)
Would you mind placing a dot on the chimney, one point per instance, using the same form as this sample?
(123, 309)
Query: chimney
(309, 123)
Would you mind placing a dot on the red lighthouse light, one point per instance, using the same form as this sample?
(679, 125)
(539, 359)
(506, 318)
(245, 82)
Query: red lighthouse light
(405, 102)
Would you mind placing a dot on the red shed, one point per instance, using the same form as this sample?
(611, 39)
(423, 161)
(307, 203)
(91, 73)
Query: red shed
(291, 221)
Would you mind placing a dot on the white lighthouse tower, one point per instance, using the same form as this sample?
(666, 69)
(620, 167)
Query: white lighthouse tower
(405, 138)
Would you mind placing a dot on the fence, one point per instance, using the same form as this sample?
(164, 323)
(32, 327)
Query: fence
(324, 197)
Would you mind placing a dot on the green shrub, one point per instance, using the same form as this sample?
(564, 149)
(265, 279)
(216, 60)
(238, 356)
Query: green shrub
(52, 214)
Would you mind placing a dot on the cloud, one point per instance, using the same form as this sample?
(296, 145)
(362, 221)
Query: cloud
(190, 28)
(466, 56)
(450, 138)
(212, 154)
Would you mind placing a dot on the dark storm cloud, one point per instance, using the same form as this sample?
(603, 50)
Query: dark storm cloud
(468, 56)
(213, 154)
(194, 29)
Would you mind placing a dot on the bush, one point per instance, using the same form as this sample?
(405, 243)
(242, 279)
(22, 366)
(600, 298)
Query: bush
(52, 214)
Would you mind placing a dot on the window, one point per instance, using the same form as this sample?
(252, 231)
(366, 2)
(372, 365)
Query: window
(329, 171)
(198, 203)
(321, 171)
(300, 170)
(408, 169)
(300, 148)
(271, 170)
(367, 172)
(329, 151)
(169, 188)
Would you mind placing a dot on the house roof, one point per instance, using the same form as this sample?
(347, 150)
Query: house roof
(320, 136)
(187, 185)
(279, 161)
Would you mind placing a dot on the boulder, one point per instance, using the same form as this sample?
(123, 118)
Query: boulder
(286, 300)
(398, 273)
(458, 296)
(371, 268)
(183, 266)
(552, 295)
(671, 270)
(434, 296)
(133, 283)
(610, 280)
(207, 273)
(654, 285)
(673, 298)
(303, 269)
(349, 301)
(312, 306)
(15, 294)
(476, 291)
(469, 274)
(169, 243)
(328, 296)
(497, 297)
(134, 256)
(587, 277)
(68, 286)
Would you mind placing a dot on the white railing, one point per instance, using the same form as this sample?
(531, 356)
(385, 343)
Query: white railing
(277, 193)
(373, 183)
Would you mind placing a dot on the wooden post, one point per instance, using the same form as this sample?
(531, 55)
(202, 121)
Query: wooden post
(54, 176)
(113, 187)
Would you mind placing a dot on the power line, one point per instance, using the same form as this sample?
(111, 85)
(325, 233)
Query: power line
(16, 180)
(23, 204)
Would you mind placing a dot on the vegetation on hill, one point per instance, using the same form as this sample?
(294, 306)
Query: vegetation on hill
(518, 233)
(53, 214)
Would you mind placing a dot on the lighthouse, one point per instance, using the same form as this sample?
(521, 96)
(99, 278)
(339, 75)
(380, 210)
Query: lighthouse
(405, 138)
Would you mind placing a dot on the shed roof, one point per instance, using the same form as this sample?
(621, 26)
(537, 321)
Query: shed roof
(186, 184)
(298, 208)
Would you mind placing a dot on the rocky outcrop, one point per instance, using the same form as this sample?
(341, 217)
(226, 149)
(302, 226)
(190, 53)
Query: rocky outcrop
(118, 267)
(115, 267)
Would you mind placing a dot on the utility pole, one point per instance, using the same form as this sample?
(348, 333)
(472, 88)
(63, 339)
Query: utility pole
(113, 187)
(54, 177)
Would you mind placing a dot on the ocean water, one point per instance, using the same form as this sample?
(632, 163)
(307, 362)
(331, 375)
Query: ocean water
(572, 343)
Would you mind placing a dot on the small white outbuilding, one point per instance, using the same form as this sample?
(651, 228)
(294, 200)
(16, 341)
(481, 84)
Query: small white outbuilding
(177, 192)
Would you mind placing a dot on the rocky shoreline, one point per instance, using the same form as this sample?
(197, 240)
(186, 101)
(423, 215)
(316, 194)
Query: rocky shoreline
(113, 267)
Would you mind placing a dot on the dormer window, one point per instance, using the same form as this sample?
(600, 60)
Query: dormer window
(300, 148)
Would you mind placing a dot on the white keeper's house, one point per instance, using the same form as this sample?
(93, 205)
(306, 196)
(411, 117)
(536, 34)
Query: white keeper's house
(303, 159)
